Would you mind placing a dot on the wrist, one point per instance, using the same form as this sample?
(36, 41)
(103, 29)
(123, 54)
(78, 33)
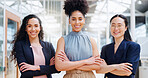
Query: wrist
(84, 62)
(37, 67)
(113, 66)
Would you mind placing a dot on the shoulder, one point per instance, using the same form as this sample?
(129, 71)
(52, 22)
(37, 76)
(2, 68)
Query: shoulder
(133, 44)
(61, 40)
(18, 43)
(88, 35)
(92, 39)
(93, 42)
(133, 47)
(107, 45)
(46, 44)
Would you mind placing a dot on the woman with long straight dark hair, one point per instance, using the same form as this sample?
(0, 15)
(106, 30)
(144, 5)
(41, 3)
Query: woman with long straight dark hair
(35, 57)
(123, 54)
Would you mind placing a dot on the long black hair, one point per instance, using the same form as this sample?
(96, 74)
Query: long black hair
(22, 35)
(127, 35)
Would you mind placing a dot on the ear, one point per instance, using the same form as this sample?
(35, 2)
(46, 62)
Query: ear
(69, 20)
(84, 19)
(125, 28)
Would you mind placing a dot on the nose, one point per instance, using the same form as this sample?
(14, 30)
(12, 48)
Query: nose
(33, 28)
(116, 28)
(77, 21)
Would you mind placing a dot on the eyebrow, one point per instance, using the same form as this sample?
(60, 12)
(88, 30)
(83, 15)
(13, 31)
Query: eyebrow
(75, 17)
(112, 23)
(120, 23)
(31, 24)
(28, 24)
(117, 23)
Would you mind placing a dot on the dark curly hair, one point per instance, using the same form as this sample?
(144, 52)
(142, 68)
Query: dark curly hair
(22, 35)
(74, 5)
(127, 35)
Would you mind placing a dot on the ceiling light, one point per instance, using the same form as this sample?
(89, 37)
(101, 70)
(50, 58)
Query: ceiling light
(139, 2)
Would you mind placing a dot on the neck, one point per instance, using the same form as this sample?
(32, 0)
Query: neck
(34, 40)
(118, 40)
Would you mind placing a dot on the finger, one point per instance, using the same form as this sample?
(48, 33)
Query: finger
(62, 59)
(25, 70)
(98, 59)
(126, 69)
(52, 58)
(61, 56)
(62, 52)
(22, 63)
(97, 56)
(128, 64)
(97, 63)
(129, 67)
(22, 67)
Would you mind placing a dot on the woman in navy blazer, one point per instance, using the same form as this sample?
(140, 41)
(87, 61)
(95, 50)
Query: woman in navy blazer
(123, 54)
(31, 33)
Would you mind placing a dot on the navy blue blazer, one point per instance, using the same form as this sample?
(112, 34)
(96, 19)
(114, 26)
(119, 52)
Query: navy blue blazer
(127, 51)
(24, 53)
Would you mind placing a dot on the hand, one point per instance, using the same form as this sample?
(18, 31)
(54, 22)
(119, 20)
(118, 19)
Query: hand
(103, 64)
(25, 67)
(52, 61)
(124, 67)
(62, 56)
(94, 60)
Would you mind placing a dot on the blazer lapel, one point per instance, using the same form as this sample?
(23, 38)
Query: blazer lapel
(44, 51)
(120, 52)
(28, 52)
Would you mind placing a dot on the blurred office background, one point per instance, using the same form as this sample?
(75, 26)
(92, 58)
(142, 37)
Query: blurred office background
(55, 25)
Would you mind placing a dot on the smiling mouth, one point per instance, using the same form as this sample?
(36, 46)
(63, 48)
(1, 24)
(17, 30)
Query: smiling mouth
(77, 26)
(116, 33)
(33, 33)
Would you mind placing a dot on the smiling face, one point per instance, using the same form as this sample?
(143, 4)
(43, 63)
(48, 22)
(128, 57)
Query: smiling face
(33, 28)
(77, 21)
(118, 27)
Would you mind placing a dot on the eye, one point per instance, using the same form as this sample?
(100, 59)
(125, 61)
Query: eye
(119, 25)
(80, 19)
(73, 19)
(36, 25)
(28, 25)
(113, 25)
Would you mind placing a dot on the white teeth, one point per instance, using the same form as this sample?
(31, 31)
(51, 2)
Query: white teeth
(116, 32)
(33, 33)
(77, 26)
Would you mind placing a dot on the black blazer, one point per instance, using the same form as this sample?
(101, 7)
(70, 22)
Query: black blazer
(24, 53)
(127, 51)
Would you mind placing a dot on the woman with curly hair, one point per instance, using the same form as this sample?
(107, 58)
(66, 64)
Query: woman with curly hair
(35, 57)
(76, 52)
